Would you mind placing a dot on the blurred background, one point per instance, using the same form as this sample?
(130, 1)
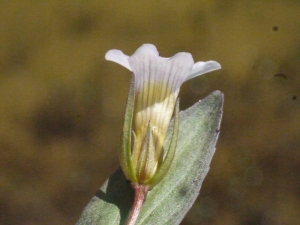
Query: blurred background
(62, 104)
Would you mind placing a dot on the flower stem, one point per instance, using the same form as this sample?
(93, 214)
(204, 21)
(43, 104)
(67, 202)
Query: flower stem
(140, 192)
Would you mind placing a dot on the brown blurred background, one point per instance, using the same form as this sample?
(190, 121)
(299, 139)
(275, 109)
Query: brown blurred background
(62, 104)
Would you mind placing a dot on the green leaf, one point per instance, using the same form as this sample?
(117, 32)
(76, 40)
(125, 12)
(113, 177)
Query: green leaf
(170, 199)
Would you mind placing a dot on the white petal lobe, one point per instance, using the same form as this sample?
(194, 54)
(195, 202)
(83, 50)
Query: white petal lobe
(119, 57)
(147, 49)
(200, 68)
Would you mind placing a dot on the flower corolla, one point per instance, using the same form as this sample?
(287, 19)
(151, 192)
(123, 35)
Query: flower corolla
(157, 81)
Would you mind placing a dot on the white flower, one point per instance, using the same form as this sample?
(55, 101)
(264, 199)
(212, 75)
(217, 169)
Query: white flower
(157, 84)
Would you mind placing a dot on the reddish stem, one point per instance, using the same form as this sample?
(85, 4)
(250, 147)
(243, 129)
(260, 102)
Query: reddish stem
(140, 192)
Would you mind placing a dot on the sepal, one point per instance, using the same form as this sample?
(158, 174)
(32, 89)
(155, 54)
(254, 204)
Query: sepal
(166, 163)
(125, 150)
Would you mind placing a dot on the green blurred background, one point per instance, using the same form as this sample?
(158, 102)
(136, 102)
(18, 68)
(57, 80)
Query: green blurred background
(62, 104)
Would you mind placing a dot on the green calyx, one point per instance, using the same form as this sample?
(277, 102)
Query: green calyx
(167, 161)
(146, 170)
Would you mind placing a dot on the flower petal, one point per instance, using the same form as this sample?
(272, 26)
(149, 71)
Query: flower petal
(119, 57)
(146, 49)
(200, 68)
